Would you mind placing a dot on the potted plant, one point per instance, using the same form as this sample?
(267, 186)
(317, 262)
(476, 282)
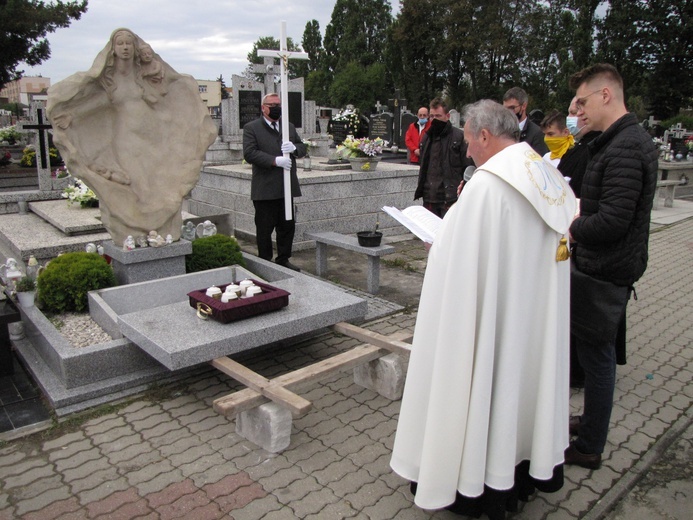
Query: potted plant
(362, 153)
(26, 291)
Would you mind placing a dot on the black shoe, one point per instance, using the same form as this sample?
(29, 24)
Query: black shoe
(574, 425)
(586, 460)
(289, 265)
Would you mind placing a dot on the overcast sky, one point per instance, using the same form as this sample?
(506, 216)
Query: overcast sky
(203, 39)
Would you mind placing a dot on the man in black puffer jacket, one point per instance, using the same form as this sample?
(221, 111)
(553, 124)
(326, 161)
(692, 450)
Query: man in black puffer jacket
(610, 246)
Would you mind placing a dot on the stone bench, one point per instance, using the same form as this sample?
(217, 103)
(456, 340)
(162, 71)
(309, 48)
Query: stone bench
(322, 240)
(669, 188)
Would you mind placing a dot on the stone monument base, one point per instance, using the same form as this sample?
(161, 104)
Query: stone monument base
(147, 263)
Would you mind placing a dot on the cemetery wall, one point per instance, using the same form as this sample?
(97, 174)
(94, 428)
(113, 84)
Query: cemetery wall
(341, 201)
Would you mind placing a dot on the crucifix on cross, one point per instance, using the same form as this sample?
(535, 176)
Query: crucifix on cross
(284, 56)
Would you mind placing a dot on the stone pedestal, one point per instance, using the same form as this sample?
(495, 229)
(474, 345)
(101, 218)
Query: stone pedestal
(384, 375)
(268, 426)
(147, 263)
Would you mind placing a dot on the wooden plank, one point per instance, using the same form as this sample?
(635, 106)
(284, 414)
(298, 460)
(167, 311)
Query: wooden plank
(250, 398)
(272, 390)
(373, 338)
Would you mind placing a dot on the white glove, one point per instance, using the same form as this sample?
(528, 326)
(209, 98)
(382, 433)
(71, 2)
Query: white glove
(288, 147)
(283, 162)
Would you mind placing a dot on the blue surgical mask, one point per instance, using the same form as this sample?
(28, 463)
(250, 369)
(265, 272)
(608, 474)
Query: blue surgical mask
(423, 120)
(571, 122)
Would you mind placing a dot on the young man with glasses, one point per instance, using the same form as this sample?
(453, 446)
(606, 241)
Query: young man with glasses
(610, 238)
(264, 149)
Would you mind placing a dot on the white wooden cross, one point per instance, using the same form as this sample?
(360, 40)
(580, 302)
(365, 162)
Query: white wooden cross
(284, 56)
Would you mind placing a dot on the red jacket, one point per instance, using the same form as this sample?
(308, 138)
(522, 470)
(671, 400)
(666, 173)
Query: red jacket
(412, 139)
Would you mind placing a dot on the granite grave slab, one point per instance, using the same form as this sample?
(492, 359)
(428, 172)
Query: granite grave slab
(70, 219)
(157, 317)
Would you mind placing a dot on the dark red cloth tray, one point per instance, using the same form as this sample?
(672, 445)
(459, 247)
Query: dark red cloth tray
(271, 299)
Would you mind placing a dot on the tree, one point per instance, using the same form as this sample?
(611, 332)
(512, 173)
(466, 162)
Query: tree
(312, 44)
(357, 32)
(415, 41)
(224, 92)
(651, 43)
(25, 25)
(358, 85)
(668, 55)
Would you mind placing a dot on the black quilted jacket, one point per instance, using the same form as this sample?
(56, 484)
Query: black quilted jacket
(613, 228)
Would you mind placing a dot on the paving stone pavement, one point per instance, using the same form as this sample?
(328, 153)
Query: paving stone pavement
(168, 454)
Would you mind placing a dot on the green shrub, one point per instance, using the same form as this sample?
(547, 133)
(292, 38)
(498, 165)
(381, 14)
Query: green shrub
(212, 252)
(686, 122)
(64, 283)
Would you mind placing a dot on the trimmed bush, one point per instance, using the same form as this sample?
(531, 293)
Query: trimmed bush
(213, 252)
(64, 283)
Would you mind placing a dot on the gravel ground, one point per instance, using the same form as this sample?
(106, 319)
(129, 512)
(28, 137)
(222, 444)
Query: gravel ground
(79, 329)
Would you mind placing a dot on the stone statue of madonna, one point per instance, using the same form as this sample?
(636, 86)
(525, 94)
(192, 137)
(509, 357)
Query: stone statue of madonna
(136, 132)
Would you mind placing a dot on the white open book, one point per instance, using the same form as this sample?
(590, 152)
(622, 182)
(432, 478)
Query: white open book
(418, 220)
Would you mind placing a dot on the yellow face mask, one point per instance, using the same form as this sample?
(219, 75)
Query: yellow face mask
(559, 145)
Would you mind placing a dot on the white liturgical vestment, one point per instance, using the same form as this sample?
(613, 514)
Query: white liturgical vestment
(487, 384)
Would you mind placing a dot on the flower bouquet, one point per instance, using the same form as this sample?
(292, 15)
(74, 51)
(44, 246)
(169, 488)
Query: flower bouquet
(363, 147)
(362, 152)
(60, 173)
(82, 194)
(309, 144)
(351, 117)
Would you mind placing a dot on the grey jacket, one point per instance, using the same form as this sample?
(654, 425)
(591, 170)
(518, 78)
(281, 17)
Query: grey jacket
(261, 146)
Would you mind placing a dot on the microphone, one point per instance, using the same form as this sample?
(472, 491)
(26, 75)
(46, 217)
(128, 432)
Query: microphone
(468, 173)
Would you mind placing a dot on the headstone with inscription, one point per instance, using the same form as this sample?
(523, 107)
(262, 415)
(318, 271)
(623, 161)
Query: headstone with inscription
(249, 109)
(296, 104)
(406, 120)
(338, 130)
(398, 105)
(381, 126)
(243, 107)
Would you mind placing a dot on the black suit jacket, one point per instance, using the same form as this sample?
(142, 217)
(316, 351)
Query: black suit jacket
(534, 137)
(261, 146)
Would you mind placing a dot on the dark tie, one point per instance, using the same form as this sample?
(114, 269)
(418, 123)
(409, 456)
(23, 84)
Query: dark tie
(274, 127)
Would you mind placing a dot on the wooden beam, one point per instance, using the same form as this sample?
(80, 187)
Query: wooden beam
(250, 398)
(270, 389)
(398, 346)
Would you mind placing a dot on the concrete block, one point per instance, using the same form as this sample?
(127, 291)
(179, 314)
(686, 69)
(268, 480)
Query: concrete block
(268, 426)
(384, 375)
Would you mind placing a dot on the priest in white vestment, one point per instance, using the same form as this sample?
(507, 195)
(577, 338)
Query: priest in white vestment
(486, 396)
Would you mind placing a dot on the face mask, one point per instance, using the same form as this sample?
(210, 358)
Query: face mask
(423, 120)
(437, 126)
(571, 122)
(275, 113)
(519, 115)
(559, 145)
